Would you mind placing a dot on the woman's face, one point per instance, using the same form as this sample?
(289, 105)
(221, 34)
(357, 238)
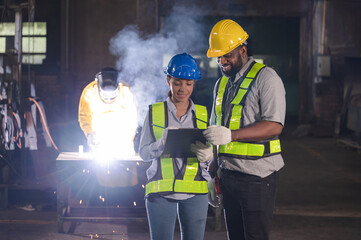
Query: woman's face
(181, 89)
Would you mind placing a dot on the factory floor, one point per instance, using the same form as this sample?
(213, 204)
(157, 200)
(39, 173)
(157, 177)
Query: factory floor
(319, 197)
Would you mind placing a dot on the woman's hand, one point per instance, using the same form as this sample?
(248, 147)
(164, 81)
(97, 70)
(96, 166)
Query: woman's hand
(165, 134)
(203, 151)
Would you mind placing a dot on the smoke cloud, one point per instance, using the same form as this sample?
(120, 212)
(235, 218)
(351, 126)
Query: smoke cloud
(142, 60)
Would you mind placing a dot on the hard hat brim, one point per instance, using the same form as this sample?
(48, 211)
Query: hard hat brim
(220, 53)
(212, 54)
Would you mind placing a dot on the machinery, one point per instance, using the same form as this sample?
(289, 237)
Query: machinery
(12, 102)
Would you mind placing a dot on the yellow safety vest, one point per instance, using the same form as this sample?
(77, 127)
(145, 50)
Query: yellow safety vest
(164, 180)
(254, 150)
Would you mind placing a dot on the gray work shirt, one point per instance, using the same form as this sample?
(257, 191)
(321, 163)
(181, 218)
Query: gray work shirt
(150, 150)
(265, 102)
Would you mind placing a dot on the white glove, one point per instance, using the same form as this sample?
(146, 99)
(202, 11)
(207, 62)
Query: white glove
(92, 140)
(165, 134)
(218, 135)
(214, 199)
(203, 151)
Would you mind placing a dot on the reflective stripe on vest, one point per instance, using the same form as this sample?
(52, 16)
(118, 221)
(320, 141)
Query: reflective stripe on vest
(237, 149)
(168, 183)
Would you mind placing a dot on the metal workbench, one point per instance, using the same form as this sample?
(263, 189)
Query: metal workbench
(84, 192)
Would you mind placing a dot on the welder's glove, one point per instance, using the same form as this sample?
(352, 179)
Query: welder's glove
(214, 197)
(92, 140)
(165, 134)
(218, 135)
(203, 151)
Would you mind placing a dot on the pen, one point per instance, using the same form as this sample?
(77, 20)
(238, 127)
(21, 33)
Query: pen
(158, 126)
(201, 120)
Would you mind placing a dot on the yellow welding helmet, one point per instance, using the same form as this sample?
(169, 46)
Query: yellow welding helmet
(225, 36)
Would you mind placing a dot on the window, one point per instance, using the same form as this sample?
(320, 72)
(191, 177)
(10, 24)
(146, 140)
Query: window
(33, 41)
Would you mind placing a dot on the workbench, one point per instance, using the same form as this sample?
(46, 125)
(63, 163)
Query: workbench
(86, 190)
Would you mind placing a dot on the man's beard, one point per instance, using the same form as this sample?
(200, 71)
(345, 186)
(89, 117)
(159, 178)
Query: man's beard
(230, 73)
(234, 68)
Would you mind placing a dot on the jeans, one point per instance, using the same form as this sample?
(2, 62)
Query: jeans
(162, 214)
(248, 204)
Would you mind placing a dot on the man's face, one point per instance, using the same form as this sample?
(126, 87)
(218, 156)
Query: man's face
(232, 62)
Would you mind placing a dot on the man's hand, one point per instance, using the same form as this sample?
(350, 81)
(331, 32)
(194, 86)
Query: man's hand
(92, 140)
(203, 151)
(218, 135)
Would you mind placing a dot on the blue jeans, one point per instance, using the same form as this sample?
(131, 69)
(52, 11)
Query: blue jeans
(162, 214)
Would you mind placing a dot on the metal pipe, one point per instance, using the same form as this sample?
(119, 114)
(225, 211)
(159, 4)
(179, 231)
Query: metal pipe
(18, 34)
(156, 15)
(67, 35)
(323, 28)
(137, 12)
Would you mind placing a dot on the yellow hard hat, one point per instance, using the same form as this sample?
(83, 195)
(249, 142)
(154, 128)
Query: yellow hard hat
(225, 36)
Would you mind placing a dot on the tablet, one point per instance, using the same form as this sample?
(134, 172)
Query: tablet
(178, 143)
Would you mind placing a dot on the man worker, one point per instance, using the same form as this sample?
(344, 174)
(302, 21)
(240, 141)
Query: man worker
(108, 118)
(107, 112)
(247, 117)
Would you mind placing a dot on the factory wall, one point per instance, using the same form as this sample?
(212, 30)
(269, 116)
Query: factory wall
(323, 28)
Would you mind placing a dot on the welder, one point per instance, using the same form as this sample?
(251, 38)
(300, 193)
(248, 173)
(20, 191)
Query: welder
(108, 117)
(107, 110)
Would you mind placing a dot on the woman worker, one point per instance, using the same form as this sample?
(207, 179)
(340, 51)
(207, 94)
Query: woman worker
(176, 186)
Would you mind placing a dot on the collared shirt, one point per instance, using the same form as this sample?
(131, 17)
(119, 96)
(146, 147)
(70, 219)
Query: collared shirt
(150, 150)
(265, 102)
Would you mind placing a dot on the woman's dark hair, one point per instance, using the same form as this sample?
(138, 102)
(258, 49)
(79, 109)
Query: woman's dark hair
(169, 94)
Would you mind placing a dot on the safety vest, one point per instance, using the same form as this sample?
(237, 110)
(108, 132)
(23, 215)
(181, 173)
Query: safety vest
(254, 150)
(169, 179)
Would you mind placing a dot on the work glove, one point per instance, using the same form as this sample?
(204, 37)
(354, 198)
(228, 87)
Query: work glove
(203, 151)
(214, 192)
(165, 134)
(218, 135)
(92, 140)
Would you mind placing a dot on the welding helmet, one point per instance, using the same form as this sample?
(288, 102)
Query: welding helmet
(183, 66)
(225, 36)
(108, 82)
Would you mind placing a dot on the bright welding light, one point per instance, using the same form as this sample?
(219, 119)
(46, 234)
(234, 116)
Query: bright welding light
(102, 156)
(115, 129)
(113, 146)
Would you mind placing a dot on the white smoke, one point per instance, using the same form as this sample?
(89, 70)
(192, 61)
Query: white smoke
(140, 59)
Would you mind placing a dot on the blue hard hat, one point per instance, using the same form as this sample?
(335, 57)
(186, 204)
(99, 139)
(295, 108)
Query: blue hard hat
(183, 66)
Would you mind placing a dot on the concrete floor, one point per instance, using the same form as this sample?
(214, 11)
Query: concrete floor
(319, 197)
